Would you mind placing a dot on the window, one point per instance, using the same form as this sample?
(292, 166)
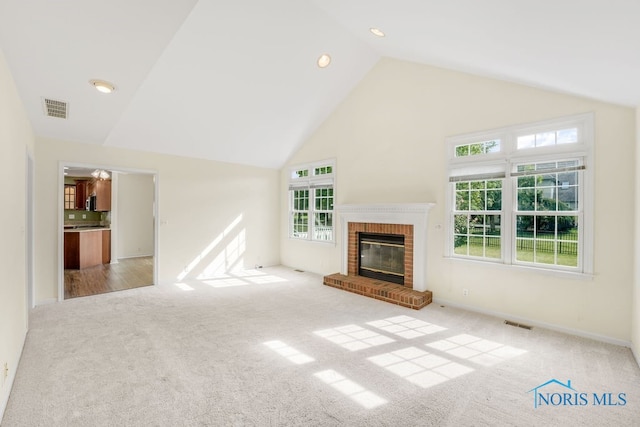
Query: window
(311, 197)
(522, 195)
(477, 218)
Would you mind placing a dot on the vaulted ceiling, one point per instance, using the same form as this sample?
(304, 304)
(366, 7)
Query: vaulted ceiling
(237, 80)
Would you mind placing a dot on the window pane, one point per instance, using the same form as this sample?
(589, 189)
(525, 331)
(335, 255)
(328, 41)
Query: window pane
(568, 254)
(567, 178)
(492, 146)
(526, 181)
(494, 184)
(323, 226)
(546, 227)
(300, 225)
(568, 199)
(477, 200)
(545, 139)
(462, 200)
(460, 224)
(476, 246)
(475, 149)
(462, 150)
(568, 228)
(526, 141)
(567, 136)
(545, 251)
(494, 200)
(460, 245)
(492, 247)
(545, 199)
(526, 199)
(524, 250)
(476, 224)
(525, 225)
(300, 173)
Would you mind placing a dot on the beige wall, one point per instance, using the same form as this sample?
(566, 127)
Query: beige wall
(16, 139)
(635, 337)
(388, 138)
(199, 202)
(135, 222)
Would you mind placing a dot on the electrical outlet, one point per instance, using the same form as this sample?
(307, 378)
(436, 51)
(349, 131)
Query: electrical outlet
(72, 216)
(84, 216)
(465, 292)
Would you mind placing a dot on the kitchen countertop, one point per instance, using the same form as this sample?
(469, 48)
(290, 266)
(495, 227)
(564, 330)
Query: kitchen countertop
(84, 229)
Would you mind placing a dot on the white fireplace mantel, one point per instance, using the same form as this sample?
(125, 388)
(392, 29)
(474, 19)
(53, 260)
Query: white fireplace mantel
(415, 214)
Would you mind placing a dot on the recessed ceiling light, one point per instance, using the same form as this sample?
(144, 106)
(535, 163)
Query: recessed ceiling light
(102, 86)
(376, 32)
(324, 60)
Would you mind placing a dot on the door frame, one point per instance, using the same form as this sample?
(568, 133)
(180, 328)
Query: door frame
(156, 192)
(29, 233)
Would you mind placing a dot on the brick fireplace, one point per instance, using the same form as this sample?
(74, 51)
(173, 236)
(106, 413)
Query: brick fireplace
(406, 220)
(404, 230)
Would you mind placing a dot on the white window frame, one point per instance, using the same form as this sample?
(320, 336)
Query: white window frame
(312, 182)
(503, 162)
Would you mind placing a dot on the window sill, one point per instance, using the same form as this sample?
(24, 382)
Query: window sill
(517, 267)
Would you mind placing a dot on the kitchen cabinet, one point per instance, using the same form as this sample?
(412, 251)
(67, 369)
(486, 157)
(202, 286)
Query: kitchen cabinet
(86, 248)
(106, 246)
(69, 196)
(101, 188)
(81, 195)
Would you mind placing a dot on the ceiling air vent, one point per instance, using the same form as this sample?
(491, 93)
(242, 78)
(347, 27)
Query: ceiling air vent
(55, 108)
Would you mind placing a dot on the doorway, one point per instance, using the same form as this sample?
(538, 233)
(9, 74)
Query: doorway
(108, 231)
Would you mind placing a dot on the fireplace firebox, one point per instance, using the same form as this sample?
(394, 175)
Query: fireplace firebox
(381, 257)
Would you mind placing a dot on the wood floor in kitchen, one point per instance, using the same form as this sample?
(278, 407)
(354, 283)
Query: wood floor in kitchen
(128, 273)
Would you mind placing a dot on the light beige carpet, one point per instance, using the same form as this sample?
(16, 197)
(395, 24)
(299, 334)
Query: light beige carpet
(274, 347)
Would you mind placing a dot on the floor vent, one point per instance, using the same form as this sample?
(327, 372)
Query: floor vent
(519, 325)
(55, 108)
(299, 271)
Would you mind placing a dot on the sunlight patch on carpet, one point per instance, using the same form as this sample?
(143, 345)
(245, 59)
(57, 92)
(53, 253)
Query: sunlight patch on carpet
(420, 367)
(183, 286)
(406, 326)
(226, 283)
(353, 337)
(475, 349)
(351, 389)
(289, 352)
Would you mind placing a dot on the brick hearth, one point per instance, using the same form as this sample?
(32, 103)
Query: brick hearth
(385, 291)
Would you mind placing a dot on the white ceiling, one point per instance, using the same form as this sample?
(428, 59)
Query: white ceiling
(237, 81)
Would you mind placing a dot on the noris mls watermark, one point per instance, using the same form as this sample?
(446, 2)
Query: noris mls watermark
(557, 393)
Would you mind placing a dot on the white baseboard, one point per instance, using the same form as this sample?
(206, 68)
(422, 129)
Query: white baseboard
(8, 385)
(133, 256)
(46, 301)
(531, 322)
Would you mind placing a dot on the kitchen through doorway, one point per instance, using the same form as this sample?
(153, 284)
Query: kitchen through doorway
(108, 231)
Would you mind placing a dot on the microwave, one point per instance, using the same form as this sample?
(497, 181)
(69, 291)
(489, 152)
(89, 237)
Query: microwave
(91, 203)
